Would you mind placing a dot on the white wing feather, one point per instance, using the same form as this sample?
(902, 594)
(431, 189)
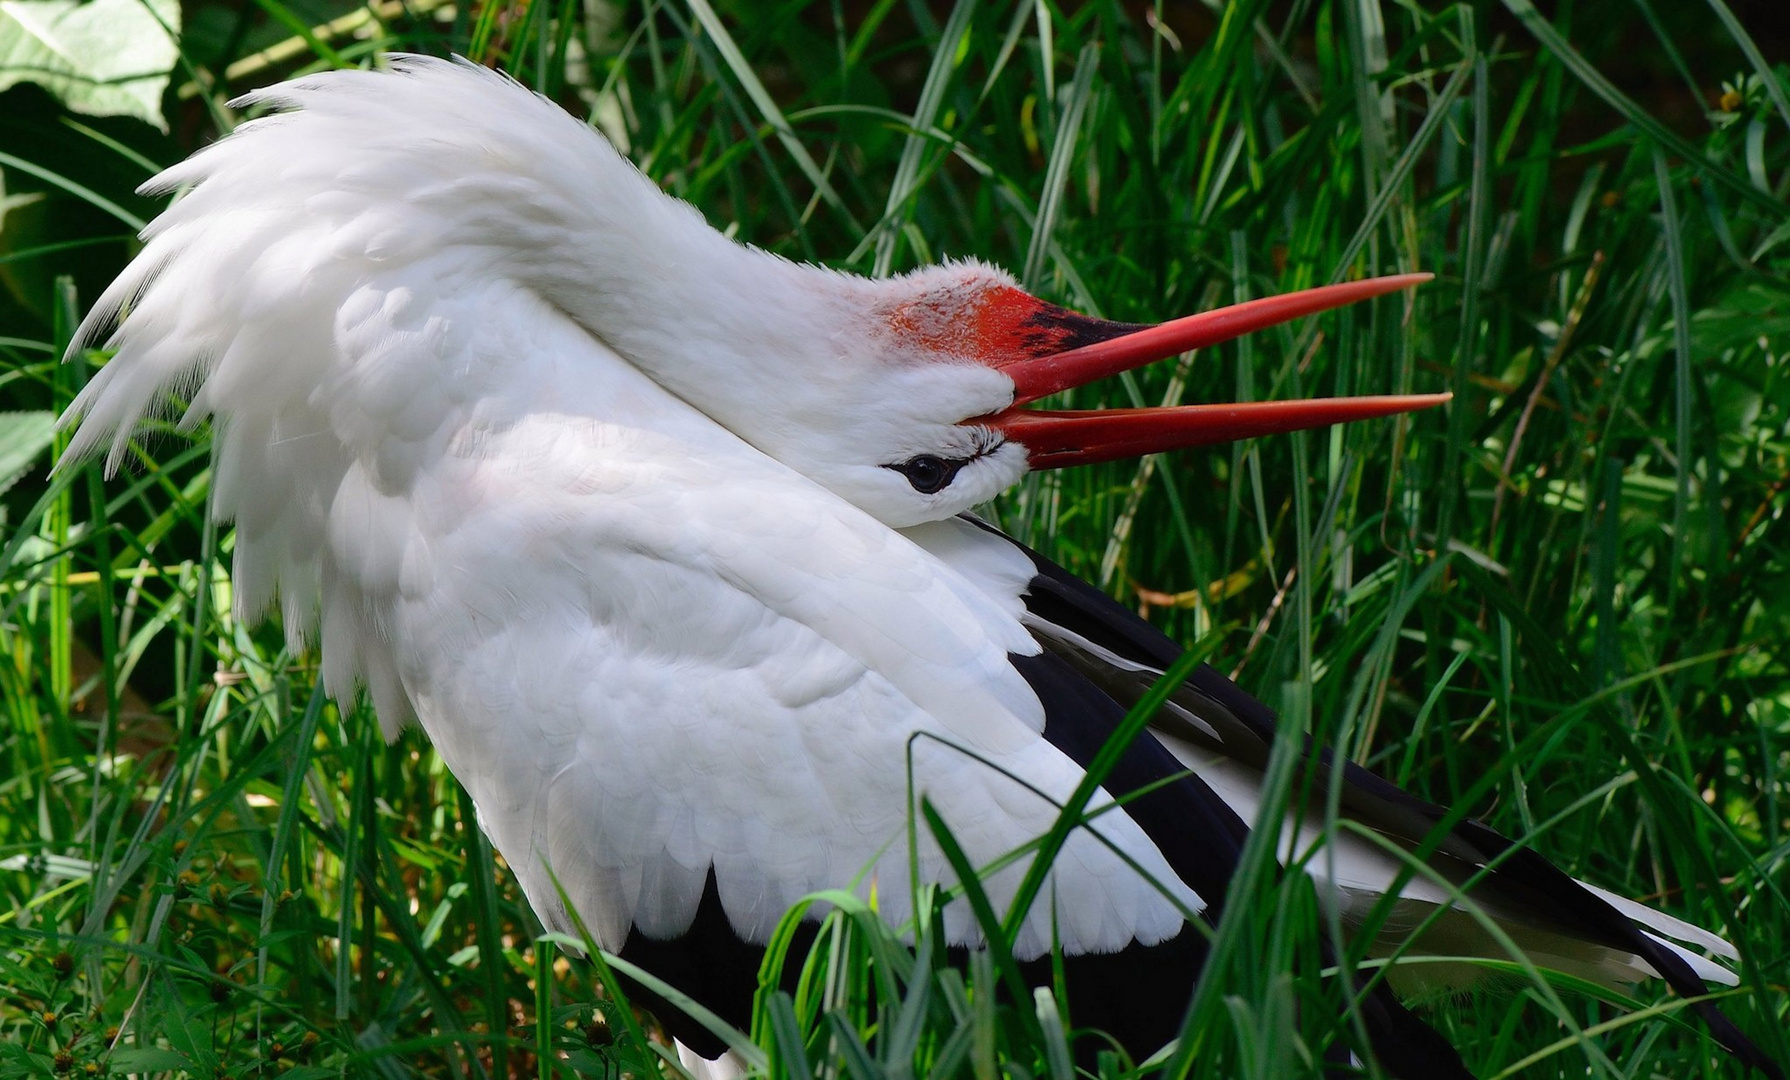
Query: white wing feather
(648, 649)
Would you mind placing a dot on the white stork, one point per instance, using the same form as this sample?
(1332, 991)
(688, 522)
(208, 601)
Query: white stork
(664, 542)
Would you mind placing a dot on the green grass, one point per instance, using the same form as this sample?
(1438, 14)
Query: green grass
(1563, 602)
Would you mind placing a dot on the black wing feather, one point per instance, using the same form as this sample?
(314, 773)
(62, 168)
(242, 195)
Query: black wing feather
(1141, 994)
(1523, 880)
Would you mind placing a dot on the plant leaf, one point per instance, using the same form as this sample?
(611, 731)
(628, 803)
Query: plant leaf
(23, 437)
(102, 57)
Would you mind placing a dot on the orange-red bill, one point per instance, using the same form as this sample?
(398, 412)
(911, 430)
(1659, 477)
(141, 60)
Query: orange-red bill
(1036, 376)
(1081, 437)
(1055, 439)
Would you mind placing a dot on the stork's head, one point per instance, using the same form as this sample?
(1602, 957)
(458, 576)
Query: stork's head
(921, 408)
(905, 396)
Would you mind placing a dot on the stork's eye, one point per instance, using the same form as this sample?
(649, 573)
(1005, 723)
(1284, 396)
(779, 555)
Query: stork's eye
(929, 474)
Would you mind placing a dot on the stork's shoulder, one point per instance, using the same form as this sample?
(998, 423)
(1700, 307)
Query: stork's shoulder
(667, 496)
(648, 657)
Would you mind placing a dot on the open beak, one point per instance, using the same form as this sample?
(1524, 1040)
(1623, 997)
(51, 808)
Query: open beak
(1057, 438)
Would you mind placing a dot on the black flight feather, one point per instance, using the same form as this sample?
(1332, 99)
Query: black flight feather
(1066, 611)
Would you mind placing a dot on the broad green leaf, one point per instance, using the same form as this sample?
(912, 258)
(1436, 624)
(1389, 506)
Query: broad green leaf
(149, 1059)
(102, 57)
(24, 436)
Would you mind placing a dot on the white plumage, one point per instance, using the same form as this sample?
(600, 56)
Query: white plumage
(577, 583)
(627, 517)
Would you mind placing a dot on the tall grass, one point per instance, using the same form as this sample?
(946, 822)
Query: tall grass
(1560, 602)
